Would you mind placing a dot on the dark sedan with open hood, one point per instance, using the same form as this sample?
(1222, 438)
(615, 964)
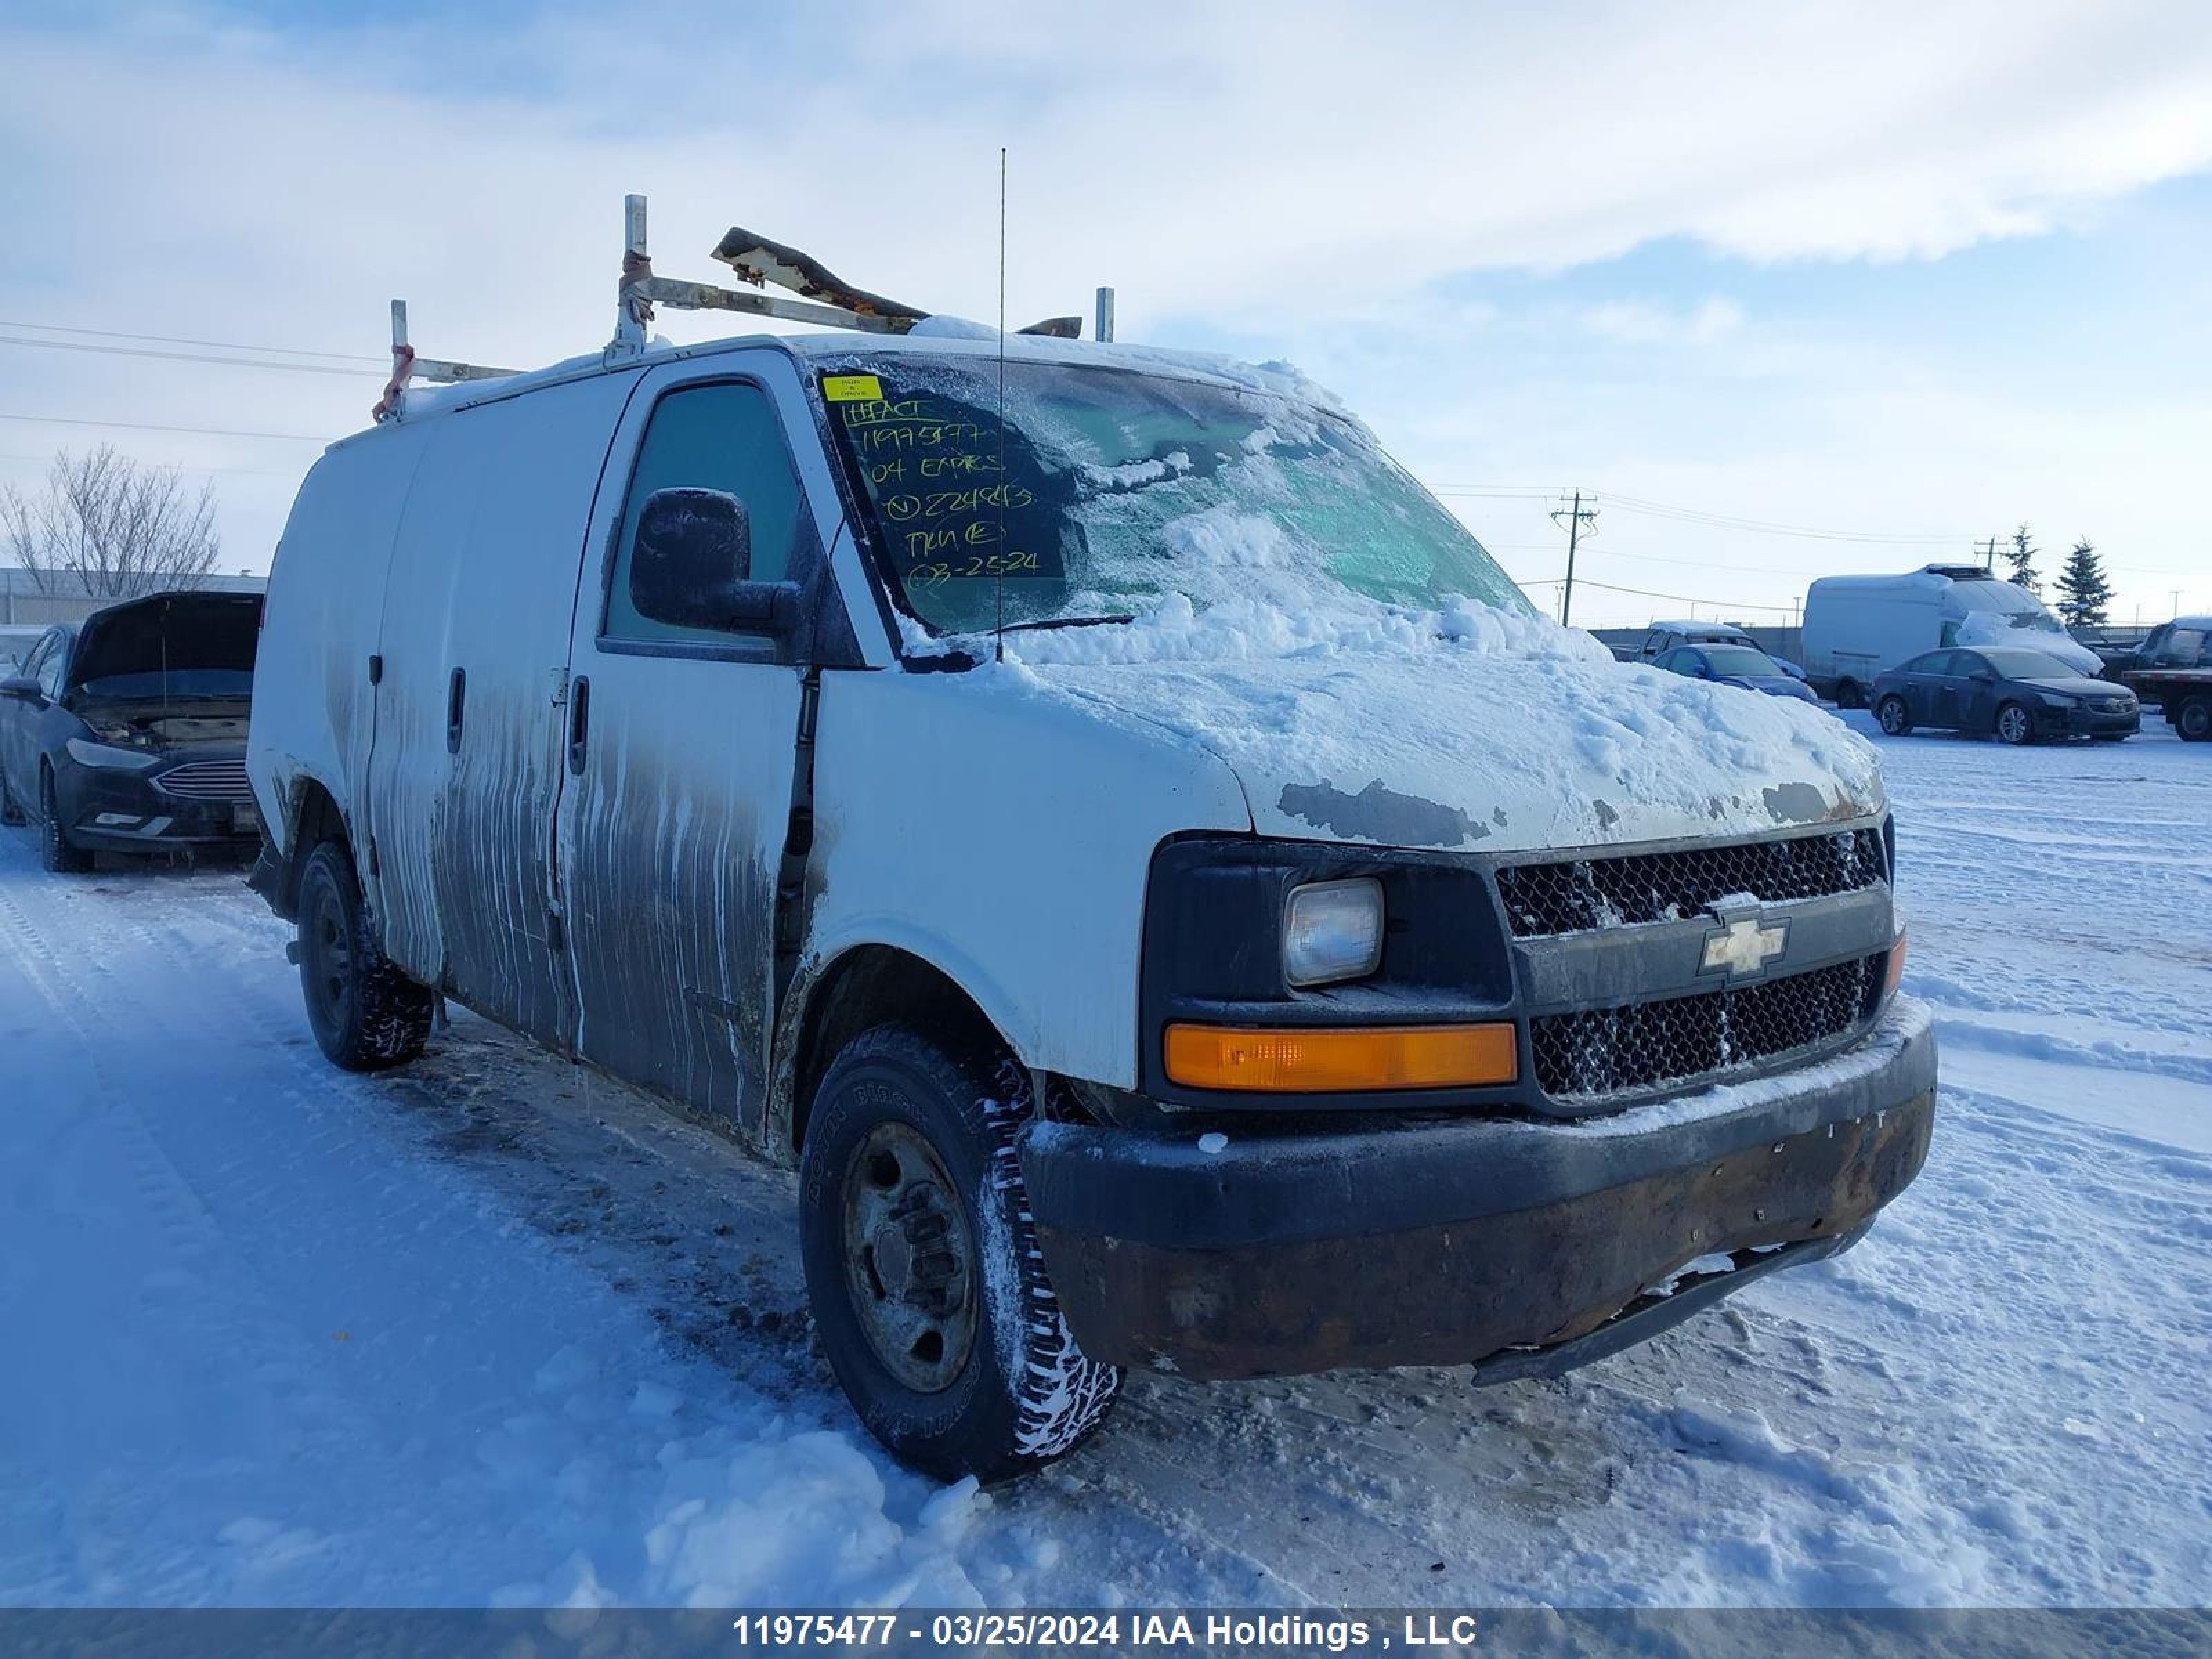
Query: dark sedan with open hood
(127, 730)
(2019, 694)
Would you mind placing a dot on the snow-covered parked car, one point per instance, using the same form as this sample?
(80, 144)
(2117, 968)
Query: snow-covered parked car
(126, 732)
(1664, 636)
(1744, 666)
(1134, 853)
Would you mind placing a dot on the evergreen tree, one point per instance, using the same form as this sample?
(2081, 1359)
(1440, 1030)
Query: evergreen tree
(2083, 592)
(2022, 555)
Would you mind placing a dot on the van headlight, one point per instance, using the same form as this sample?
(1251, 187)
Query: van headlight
(1333, 931)
(109, 759)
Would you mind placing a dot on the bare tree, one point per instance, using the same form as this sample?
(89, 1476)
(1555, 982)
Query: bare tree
(117, 527)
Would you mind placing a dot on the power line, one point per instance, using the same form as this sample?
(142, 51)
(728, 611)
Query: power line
(1771, 527)
(1699, 515)
(150, 426)
(171, 339)
(1678, 599)
(181, 466)
(189, 357)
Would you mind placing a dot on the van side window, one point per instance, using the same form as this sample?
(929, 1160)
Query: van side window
(724, 436)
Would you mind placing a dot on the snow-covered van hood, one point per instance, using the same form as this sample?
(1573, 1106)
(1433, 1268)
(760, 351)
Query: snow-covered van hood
(1476, 730)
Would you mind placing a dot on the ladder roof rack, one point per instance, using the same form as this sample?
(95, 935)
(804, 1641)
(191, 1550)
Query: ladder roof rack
(823, 300)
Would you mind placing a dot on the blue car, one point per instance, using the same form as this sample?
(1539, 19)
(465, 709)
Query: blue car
(1735, 664)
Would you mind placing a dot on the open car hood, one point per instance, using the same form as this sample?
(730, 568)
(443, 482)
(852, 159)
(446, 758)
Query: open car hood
(125, 652)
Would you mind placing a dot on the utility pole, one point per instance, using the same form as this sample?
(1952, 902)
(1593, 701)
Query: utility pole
(1574, 518)
(1990, 557)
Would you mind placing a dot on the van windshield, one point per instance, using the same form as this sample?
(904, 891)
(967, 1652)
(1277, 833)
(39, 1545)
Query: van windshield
(1110, 490)
(2017, 606)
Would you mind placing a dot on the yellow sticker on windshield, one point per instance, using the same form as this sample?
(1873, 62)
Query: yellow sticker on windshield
(852, 388)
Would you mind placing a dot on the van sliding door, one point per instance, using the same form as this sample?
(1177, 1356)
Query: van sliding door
(466, 775)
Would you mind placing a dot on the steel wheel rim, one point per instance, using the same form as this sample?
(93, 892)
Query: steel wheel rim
(2197, 719)
(909, 1261)
(330, 958)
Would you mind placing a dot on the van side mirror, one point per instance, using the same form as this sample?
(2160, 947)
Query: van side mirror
(690, 566)
(22, 688)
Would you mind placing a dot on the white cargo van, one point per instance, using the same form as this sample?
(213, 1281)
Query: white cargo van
(1858, 626)
(1115, 834)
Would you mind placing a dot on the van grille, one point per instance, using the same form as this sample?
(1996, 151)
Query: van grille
(1573, 895)
(208, 780)
(1595, 1052)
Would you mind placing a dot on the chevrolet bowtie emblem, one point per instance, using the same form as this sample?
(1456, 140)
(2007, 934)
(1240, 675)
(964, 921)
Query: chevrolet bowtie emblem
(1743, 947)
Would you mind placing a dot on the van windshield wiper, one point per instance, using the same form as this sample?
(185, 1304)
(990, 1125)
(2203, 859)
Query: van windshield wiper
(1043, 622)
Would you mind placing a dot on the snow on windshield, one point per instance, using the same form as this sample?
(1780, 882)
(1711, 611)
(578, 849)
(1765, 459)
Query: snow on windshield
(1115, 493)
(1994, 607)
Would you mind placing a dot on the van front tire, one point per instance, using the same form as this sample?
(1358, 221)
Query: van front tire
(922, 1266)
(365, 1013)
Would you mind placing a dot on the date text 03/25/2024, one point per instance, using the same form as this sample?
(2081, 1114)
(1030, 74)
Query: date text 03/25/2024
(1103, 1629)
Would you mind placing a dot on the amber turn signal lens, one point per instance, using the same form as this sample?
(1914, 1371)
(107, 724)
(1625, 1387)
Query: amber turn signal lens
(1896, 967)
(1339, 1059)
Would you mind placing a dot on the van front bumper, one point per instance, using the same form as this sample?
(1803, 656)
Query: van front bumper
(1530, 1245)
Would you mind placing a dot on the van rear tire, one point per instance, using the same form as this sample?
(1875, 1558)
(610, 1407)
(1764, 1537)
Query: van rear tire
(365, 1013)
(929, 1290)
(1848, 694)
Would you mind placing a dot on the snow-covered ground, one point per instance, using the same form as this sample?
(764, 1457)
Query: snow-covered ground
(492, 1329)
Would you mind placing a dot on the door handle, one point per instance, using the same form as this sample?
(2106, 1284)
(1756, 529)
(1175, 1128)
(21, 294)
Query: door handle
(457, 695)
(579, 724)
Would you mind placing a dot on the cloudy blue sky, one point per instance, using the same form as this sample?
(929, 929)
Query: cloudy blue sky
(1902, 275)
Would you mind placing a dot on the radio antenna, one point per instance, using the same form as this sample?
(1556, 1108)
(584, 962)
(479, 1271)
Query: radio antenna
(999, 563)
